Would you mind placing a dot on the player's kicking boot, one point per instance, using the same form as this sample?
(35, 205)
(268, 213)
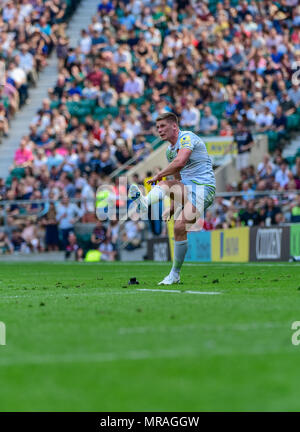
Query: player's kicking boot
(171, 279)
(136, 195)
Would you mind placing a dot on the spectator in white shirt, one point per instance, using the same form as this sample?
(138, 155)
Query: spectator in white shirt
(264, 120)
(17, 73)
(209, 122)
(250, 25)
(272, 103)
(134, 125)
(9, 11)
(108, 96)
(40, 161)
(160, 108)
(90, 91)
(134, 86)
(25, 9)
(282, 175)
(263, 166)
(190, 116)
(153, 37)
(127, 134)
(294, 94)
(67, 215)
(123, 57)
(27, 63)
(250, 113)
(85, 42)
(88, 195)
(132, 234)
(108, 253)
(19, 76)
(258, 103)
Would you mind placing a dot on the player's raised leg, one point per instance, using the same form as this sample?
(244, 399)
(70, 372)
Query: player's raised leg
(172, 188)
(135, 194)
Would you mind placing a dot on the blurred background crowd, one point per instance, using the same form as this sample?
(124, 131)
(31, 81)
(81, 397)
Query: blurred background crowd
(225, 68)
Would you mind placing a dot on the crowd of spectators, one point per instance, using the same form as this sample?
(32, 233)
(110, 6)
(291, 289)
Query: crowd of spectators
(29, 30)
(256, 206)
(214, 68)
(220, 67)
(39, 227)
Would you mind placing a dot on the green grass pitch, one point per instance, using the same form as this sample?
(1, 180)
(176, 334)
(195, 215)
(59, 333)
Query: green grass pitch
(78, 338)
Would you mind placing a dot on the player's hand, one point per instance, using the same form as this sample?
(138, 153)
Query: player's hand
(154, 179)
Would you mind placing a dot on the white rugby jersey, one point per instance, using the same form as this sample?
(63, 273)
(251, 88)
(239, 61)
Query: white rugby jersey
(198, 168)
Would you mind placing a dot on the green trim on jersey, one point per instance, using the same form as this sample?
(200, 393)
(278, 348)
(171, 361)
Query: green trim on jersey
(201, 184)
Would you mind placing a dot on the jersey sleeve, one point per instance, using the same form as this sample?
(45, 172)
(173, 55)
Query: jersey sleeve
(186, 141)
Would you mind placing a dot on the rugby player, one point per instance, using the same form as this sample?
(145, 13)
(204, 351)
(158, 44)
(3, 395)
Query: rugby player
(191, 192)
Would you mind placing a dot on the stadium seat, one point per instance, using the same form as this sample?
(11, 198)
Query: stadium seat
(84, 241)
(82, 112)
(100, 117)
(88, 103)
(217, 108)
(55, 104)
(272, 140)
(18, 172)
(138, 101)
(290, 160)
(99, 111)
(293, 122)
(113, 111)
(148, 92)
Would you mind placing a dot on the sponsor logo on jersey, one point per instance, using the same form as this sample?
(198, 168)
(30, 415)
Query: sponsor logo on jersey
(185, 142)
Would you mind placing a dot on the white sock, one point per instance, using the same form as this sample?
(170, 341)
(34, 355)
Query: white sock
(180, 248)
(156, 194)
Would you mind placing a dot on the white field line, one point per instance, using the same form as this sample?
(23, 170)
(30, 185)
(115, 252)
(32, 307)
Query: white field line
(67, 294)
(158, 290)
(177, 291)
(203, 292)
(90, 357)
(45, 295)
(205, 327)
(209, 350)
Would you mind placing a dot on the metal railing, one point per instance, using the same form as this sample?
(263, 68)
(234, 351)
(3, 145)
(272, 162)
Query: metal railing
(5, 204)
(269, 192)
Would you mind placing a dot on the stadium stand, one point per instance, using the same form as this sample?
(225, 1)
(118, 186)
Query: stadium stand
(226, 68)
(29, 32)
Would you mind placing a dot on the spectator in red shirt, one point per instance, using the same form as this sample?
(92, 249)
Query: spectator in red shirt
(95, 76)
(209, 223)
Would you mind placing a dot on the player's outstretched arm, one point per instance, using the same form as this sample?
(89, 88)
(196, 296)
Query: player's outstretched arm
(174, 167)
